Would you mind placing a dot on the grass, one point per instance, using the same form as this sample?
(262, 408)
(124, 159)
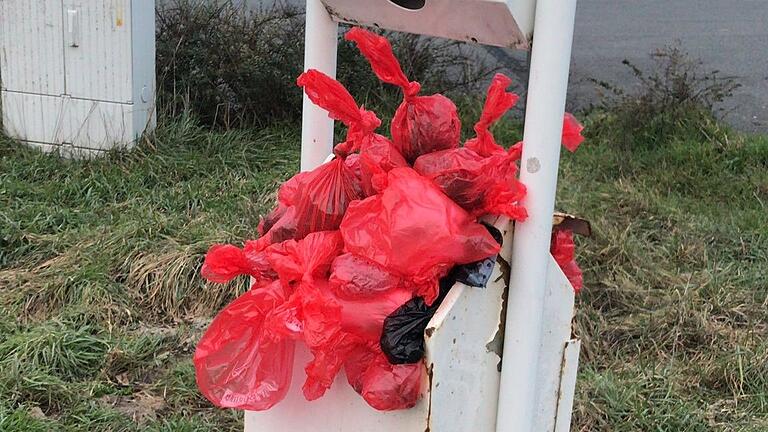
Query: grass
(674, 315)
(101, 304)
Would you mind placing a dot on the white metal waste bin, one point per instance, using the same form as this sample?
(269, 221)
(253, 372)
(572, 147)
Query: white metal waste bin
(524, 314)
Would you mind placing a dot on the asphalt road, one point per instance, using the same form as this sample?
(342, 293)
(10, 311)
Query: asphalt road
(727, 35)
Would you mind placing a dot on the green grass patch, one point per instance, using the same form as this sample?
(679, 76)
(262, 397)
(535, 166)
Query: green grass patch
(100, 298)
(674, 312)
(101, 304)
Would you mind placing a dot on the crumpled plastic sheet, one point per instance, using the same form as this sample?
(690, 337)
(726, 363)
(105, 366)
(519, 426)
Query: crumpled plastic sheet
(385, 229)
(572, 137)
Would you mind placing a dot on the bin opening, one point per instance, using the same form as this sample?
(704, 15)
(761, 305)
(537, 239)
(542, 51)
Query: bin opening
(409, 4)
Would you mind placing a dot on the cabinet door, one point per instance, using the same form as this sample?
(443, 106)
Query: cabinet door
(96, 125)
(97, 45)
(31, 52)
(33, 117)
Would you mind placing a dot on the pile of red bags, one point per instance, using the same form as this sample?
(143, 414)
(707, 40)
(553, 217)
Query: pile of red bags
(356, 238)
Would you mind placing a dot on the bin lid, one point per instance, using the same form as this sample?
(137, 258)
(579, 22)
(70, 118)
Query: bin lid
(505, 23)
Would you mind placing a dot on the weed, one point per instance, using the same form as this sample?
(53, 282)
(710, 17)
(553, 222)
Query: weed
(676, 95)
(23, 419)
(672, 318)
(58, 349)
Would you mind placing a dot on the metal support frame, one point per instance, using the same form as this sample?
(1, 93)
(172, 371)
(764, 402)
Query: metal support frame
(545, 107)
(320, 45)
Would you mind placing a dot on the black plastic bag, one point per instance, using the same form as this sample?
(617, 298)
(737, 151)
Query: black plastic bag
(478, 273)
(402, 338)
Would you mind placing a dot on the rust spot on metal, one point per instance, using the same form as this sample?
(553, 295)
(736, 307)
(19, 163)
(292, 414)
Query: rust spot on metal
(331, 11)
(573, 328)
(505, 270)
(119, 17)
(521, 43)
(430, 375)
(577, 225)
(339, 17)
(560, 380)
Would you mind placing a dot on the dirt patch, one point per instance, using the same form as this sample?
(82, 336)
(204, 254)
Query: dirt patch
(141, 407)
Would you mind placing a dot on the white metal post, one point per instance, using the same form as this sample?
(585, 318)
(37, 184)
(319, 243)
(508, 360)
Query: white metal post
(545, 106)
(320, 39)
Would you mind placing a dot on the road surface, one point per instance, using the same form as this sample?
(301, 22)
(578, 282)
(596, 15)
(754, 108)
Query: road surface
(727, 35)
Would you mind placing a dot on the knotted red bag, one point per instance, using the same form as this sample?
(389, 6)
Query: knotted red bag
(377, 153)
(422, 124)
(237, 364)
(481, 177)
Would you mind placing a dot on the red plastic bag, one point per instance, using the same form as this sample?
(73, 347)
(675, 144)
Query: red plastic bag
(422, 124)
(377, 154)
(306, 260)
(316, 200)
(353, 163)
(330, 326)
(384, 386)
(314, 318)
(479, 185)
(354, 277)
(326, 364)
(310, 314)
(236, 364)
(377, 158)
(324, 197)
(286, 198)
(329, 94)
(320, 200)
(225, 262)
(364, 317)
(563, 250)
(481, 177)
(572, 137)
(302, 267)
(390, 229)
(497, 102)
